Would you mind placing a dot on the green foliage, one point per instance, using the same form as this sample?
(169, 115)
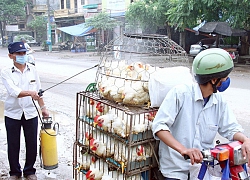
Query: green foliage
(10, 10)
(188, 13)
(27, 37)
(39, 25)
(102, 21)
(231, 40)
(149, 14)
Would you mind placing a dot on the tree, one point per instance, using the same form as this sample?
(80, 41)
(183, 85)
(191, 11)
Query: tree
(10, 11)
(181, 14)
(39, 25)
(186, 13)
(102, 22)
(149, 15)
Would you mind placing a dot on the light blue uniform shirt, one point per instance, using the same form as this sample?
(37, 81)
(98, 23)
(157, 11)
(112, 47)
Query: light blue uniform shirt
(183, 114)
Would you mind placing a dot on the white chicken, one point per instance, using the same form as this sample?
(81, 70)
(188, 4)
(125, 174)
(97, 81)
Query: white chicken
(122, 155)
(116, 89)
(103, 148)
(120, 127)
(139, 124)
(87, 160)
(150, 117)
(115, 175)
(134, 70)
(97, 170)
(90, 108)
(95, 108)
(111, 175)
(91, 133)
(116, 68)
(104, 83)
(104, 121)
(101, 108)
(135, 94)
(135, 177)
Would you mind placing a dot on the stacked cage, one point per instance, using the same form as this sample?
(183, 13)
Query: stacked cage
(114, 140)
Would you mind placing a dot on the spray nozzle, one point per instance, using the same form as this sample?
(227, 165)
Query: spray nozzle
(40, 93)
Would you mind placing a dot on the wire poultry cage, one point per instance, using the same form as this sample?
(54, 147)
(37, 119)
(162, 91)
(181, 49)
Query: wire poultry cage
(128, 62)
(118, 137)
(113, 119)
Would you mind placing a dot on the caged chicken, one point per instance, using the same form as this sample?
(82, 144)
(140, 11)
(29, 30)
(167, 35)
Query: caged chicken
(139, 124)
(115, 68)
(122, 155)
(150, 117)
(127, 84)
(95, 108)
(120, 127)
(112, 88)
(135, 71)
(115, 175)
(91, 108)
(91, 133)
(135, 94)
(97, 170)
(86, 161)
(103, 146)
(105, 121)
(112, 175)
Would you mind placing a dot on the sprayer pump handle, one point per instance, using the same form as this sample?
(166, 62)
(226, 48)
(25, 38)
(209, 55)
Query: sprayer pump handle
(40, 93)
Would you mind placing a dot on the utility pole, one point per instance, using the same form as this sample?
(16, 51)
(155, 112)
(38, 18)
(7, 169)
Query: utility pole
(49, 42)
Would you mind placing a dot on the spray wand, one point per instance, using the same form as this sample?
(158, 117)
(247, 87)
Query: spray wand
(48, 121)
(40, 93)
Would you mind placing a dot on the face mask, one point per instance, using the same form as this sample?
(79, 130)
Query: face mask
(224, 85)
(21, 59)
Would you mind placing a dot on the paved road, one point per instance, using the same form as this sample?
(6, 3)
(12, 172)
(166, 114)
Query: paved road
(56, 67)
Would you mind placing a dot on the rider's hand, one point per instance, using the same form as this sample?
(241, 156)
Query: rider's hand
(245, 148)
(194, 155)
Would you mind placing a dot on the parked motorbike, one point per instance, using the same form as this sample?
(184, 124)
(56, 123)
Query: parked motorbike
(65, 45)
(31, 58)
(203, 47)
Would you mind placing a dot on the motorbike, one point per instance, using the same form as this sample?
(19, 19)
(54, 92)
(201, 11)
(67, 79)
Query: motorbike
(65, 45)
(31, 58)
(229, 157)
(203, 47)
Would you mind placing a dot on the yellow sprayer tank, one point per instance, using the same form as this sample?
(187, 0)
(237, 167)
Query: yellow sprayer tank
(48, 147)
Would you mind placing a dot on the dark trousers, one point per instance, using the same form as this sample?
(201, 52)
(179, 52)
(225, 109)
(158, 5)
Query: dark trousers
(13, 129)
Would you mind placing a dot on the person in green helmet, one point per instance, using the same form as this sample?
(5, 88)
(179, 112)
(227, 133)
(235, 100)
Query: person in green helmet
(191, 115)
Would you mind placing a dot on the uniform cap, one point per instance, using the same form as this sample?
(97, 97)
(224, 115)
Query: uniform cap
(16, 47)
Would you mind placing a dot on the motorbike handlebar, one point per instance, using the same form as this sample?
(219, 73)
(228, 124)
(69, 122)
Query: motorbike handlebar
(205, 153)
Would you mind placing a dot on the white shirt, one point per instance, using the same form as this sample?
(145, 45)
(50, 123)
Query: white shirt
(15, 81)
(27, 46)
(193, 125)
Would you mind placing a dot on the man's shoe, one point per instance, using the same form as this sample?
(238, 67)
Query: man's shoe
(13, 178)
(31, 177)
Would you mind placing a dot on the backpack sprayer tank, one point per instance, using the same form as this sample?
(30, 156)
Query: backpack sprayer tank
(48, 145)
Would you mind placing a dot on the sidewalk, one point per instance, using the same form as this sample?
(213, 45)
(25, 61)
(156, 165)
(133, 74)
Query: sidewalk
(65, 52)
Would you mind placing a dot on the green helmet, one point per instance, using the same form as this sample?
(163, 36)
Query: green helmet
(212, 63)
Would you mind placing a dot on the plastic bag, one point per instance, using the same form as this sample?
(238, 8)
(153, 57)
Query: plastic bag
(211, 173)
(164, 79)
